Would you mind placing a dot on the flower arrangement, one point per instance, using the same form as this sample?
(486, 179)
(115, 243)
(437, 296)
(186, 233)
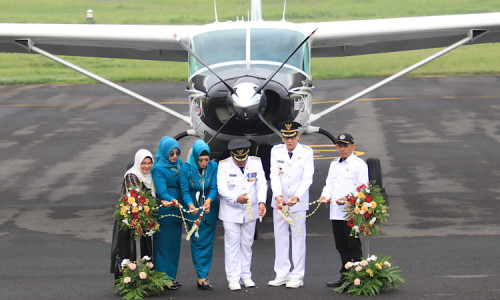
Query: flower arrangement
(137, 211)
(139, 280)
(365, 210)
(369, 277)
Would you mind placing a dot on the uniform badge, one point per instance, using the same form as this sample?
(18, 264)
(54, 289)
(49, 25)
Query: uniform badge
(281, 171)
(252, 176)
(232, 175)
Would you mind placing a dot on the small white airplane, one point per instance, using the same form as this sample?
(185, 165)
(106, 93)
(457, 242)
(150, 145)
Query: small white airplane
(248, 76)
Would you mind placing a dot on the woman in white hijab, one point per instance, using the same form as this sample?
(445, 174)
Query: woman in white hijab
(123, 244)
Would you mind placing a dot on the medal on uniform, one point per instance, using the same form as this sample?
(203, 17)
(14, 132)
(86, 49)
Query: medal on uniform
(252, 176)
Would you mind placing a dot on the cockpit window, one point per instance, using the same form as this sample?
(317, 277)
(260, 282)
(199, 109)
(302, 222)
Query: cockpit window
(276, 45)
(218, 46)
(266, 44)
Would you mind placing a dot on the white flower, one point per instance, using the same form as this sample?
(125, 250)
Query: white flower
(125, 221)
(140, 207)
(134, 204)
(367, 191)
(150, 232)
(129, 195)
(125, 262)
(358, 200)
(356, 228)
(373, 257)
(368, 204)
(146, 257)
(355, 263)
(373, 220)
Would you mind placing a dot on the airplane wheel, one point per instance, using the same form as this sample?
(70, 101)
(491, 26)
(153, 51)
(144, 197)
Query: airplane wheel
(375, 174)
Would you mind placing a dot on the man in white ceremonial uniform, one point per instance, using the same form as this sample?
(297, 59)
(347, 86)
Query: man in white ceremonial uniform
(292, 170)
(242, 186)
(344, 176)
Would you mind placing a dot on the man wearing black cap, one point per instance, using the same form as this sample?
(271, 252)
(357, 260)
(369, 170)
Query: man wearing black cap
(242, 186)
(345, 174)
(292, 169)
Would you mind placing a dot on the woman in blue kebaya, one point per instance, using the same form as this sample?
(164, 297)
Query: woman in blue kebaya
(199, 190)
(167, 241)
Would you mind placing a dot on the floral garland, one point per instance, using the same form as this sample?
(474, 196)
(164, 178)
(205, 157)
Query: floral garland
(137, 211)
(369, 277)
(196, 223)
(249, 208)
(139, 280)
(365, 210)
(284, 212)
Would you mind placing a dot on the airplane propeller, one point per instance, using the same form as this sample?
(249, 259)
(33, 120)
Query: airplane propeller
(247, 98)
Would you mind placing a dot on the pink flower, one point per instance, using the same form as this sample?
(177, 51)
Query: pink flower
(132, 266)
(127, 280)
(388, 264)
(358, 268)
(149, 265)
(357, 281)
(363, 263)
(143, 275)
(348, 265)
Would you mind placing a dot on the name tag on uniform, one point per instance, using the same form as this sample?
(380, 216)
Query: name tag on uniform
(281, 161)
(232, 175)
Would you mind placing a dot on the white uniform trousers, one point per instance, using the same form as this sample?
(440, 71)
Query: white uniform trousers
(238, 240)
(282, 263)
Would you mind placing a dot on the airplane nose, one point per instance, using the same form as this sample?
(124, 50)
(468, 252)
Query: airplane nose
(246, 101)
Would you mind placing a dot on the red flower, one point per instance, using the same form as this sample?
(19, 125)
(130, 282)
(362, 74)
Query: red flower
(352, 200)
(368, 198)
(135, 215)
(200, 217)
(125, 199)
(279, 207)
(366, 214)
(142, 199)
(350, 222)
(151, 224)
(197, 223)
(133, 193)
(284, 203)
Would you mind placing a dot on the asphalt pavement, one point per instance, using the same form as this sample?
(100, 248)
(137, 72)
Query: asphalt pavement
(64, 149)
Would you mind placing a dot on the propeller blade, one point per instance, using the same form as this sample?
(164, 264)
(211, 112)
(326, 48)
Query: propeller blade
(271, 126)
(259, 89)
(190, 51)
(220, 128)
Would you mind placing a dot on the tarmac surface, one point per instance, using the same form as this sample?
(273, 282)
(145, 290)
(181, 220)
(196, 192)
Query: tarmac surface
(64, 149)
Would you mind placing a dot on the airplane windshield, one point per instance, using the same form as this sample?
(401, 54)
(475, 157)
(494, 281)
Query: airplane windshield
(217, 47)
(277, 44)
(266, 44)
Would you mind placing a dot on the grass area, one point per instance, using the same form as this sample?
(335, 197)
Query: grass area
(31, 69)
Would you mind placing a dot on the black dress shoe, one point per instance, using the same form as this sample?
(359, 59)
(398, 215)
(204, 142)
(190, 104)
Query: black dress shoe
(173, 287)
(205, 285)
(176, 283)
(335, 284)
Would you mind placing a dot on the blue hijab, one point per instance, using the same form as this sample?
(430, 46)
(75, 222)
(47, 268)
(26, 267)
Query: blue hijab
(198, 147)
(166, 145)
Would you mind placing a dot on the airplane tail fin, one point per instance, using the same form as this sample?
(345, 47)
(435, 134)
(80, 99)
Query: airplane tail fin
(284, 11)
(215, 8)
(256, 11)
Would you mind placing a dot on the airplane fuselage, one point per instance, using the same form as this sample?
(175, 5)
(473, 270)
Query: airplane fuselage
(244, 57)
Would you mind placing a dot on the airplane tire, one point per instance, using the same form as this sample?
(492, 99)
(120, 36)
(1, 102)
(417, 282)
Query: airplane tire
(375, 174)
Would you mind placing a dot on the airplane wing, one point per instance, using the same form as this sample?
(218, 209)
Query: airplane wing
(339, 38)
(347, 38)
(148, 42)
